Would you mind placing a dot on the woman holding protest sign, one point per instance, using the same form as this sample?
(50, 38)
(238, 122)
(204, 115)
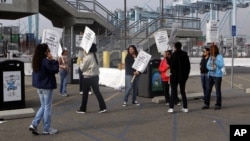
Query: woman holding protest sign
(90, 72)
(129, 74)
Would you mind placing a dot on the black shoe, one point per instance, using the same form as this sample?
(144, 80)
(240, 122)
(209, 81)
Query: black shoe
(217, 108)
(33, 130)
(205, 107)
(80, 112)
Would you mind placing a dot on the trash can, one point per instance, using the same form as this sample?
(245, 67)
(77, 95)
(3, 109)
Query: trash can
(74, 74)
(12, 93)
(150, 84)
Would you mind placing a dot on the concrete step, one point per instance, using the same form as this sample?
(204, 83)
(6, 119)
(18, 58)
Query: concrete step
(17, 113)
(192, 96)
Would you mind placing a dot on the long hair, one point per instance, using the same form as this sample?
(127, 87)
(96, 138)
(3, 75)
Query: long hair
(214, 50)
(170, 52)
(39, 54)
(132, 46)
(93, 49)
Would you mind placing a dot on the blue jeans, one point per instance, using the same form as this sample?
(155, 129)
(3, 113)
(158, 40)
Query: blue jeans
(44, 112)
(63, 81)
(204, 82)
(211, 82)
(129, 86)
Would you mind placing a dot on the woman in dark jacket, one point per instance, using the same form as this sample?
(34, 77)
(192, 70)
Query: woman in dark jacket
(129, 73)
(43, 78)
(204, 70)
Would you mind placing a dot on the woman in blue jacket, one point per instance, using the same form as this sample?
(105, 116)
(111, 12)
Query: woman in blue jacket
(214, 65)
(43, 78)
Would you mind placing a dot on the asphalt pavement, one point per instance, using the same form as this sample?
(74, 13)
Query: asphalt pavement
(147, 122)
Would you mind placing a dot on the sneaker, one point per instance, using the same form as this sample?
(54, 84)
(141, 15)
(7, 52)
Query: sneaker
(60, 94)
(136, 103)
(124, 104)
(178, 103)
(33, 130)
(102, 111)
(167, 103)
(65, 95)
(50, 132)
(81, 92)
(170, 110)
(184, 110)
(80, 112)
(90, 93)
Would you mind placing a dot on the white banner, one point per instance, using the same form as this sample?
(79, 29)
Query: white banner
(174, 30)
(212, 35)
(161, 40)
(51, 38)
(87, 39)
(78, 40)
(141, 61)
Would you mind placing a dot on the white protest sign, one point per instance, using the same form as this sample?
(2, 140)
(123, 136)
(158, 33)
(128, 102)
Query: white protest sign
(59, 52)
(87, 39)
(212, 35)
(161, 40)
(78, 40)
(141, 61)
(174, 30)
(51, 38)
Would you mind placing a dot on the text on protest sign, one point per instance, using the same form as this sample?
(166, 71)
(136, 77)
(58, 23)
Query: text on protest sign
(161, 40)
(51, 38)
(87, 39)
(141, 61)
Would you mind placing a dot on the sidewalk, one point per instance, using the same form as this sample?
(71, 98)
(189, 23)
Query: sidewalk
(147, 122)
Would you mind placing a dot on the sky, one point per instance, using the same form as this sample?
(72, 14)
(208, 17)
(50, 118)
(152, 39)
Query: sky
(243, 16)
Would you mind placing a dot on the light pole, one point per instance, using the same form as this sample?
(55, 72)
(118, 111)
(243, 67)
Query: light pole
(162, 12)
(125, 24)
(234, 33)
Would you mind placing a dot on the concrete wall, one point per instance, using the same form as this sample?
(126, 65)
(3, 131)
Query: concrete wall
(18, 9)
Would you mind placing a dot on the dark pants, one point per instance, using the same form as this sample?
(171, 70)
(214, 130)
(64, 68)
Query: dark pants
(204, 82)
(94, 83)
(165, 87)
(174, 93)
(211, 82)
(80, 80)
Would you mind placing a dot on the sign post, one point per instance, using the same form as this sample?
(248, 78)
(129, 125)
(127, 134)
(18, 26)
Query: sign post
(233, 34)
(141, 62)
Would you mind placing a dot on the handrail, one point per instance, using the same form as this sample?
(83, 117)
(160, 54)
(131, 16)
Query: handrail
(96, 7)
(157, 23)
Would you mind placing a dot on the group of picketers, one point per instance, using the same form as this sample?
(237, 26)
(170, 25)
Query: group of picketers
(174, 69)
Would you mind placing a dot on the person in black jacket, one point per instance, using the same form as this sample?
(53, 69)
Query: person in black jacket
(180, 68)
(129, 73)
(204, 70)
(43, 79)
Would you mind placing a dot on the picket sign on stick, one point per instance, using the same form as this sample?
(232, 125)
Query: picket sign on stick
(51, 38)
(87, 39)
(141, 62)
(173, 33)
(161, 40)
